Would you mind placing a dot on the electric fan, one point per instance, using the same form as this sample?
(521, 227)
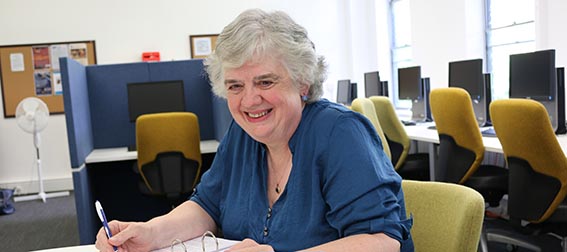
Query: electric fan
(32, 116)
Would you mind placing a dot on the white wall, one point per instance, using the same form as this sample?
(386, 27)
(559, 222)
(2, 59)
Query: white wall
(124, 29)
(444, 31)
(550, 28)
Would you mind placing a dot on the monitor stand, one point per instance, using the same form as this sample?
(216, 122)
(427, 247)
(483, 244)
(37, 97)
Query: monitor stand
(556, 107)
(561, 129)
(426, 87)
(487, 99)
(384, 85)
(479, 105)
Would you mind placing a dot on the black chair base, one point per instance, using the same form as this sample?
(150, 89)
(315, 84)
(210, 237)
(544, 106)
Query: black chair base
(491, 182)
(415, 167)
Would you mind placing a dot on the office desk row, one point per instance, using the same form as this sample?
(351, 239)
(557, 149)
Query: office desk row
(422, 133)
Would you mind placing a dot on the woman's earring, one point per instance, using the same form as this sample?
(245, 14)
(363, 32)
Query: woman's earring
(304, 98)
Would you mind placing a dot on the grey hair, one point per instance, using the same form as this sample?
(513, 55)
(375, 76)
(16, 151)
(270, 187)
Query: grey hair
(257, 35)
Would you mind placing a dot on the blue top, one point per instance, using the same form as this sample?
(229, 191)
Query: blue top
(341, 183)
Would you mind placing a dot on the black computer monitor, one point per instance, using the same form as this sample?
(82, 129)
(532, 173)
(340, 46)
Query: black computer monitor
(155, 97)
(372, 84)
(409, 83)
(467, 74)
(533, 75)
(344, 92)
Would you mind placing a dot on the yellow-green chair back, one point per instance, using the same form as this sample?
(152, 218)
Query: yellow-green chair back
(366, 107)
(393, 129)
(538, 166)
(446, 216)
(169, 154)
(458, 130)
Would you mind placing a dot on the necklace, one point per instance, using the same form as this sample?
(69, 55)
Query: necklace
(278, 189)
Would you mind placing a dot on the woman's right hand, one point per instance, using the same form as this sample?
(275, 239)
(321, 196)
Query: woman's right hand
(127, 236)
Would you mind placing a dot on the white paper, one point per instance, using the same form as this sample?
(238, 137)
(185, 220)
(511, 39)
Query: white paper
(17, 62)
(196, 245)
(203, 46)
(58, 51)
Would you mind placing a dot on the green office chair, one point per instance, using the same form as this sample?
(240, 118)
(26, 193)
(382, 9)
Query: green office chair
(538, 177)
(366, 107)
(169, 154)
(413, 166)
(446, 216)
(461, 149)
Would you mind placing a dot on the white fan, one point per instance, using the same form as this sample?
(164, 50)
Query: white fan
(32, 116)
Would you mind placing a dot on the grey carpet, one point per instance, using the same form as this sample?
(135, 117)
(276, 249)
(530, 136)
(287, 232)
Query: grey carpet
(36, 225)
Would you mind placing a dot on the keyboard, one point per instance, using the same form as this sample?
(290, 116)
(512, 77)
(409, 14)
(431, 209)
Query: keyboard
(489, 132)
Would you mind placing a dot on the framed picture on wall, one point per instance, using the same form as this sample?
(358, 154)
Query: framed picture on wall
(202, 45)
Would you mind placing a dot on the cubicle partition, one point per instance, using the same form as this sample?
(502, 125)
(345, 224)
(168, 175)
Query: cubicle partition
(96, 113)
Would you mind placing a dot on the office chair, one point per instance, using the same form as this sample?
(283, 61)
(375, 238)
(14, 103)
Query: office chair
(366, 107)
(446, 216)
(538, 177)
(413, 166)
(169, 154)
(461, 149)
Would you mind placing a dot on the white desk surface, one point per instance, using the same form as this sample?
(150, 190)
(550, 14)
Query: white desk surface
(420, 132)
(83, 248)
(122, 153)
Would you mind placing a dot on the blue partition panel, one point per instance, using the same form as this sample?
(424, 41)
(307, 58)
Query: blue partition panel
(196, 87)
(77, 111)
(222, 117)
(84, 202)
(109, 102)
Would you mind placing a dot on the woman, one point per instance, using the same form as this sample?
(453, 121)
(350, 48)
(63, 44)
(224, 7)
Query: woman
(294, 172)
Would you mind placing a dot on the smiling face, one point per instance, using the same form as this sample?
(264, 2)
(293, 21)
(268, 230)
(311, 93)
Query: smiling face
(263, 100)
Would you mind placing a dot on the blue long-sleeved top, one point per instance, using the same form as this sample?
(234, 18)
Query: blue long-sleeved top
(341, 183)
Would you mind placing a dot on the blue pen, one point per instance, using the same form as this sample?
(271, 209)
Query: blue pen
(102, 218)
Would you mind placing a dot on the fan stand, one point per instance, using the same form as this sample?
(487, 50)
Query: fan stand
(41, 195)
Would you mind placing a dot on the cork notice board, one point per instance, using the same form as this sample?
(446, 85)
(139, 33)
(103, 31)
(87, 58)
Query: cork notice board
(33, 70)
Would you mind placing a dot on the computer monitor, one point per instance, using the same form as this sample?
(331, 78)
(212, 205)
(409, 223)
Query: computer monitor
(533, 75)
(372, 84)
(155, 97)
(412, 87)
(468, 75)
(409, 84)
(344, 92)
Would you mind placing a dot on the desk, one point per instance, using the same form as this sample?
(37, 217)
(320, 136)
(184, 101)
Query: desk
(121, 154)
(421, 133)
(83, 248)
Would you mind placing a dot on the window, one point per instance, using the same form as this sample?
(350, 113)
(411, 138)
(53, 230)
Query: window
(401, 44)
(510, 29)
